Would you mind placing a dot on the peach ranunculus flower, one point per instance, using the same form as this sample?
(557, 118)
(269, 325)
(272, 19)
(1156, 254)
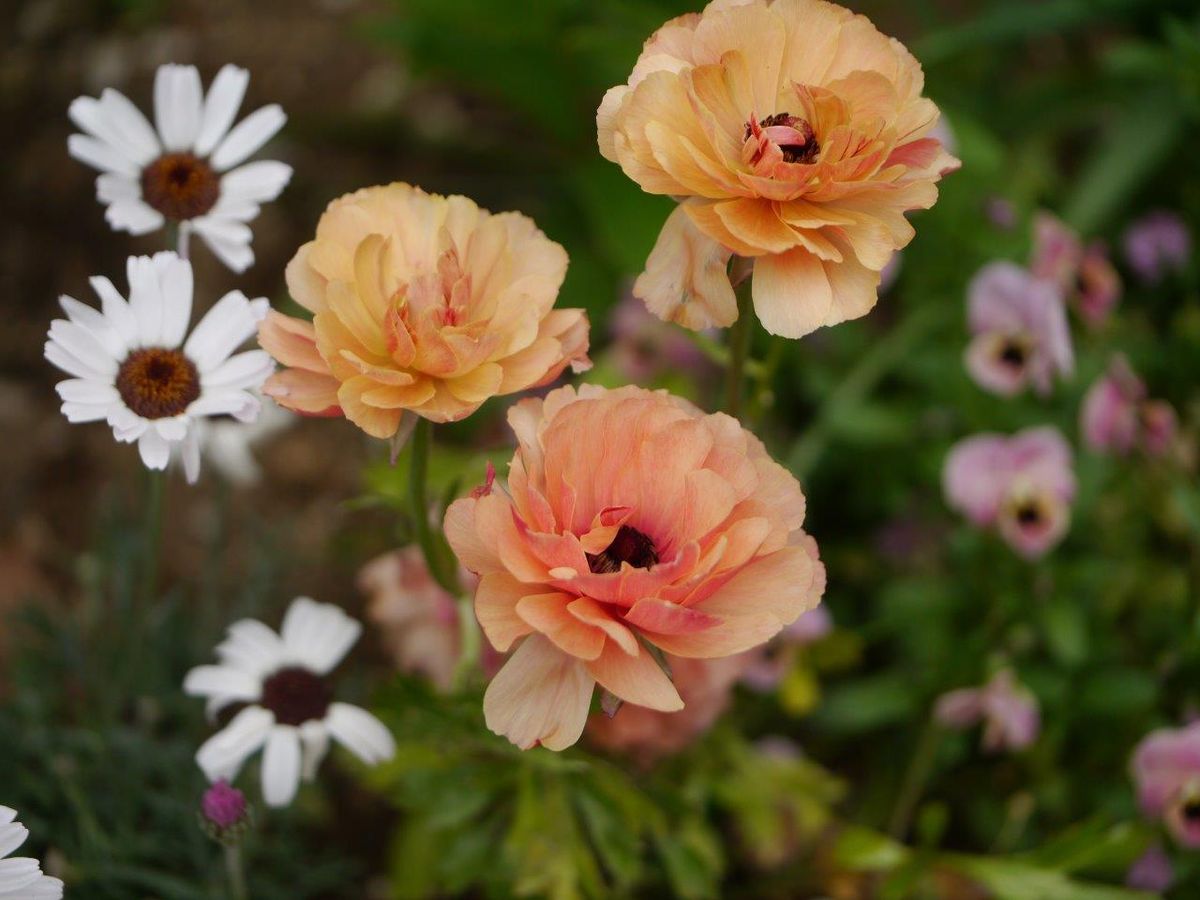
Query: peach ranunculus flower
(420, 303)
(795, 135)
(633, 523)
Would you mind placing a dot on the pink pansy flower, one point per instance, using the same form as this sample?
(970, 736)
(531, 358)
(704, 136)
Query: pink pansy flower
(1157, 244)
(1166, 771)
(1008, 710)
(1021, 485)
(1117, 417)
(1152, 871)
(1085, 274)
(706, 686)
(1020, 333)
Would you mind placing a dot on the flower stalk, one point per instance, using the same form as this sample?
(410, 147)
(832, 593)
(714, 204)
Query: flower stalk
(741, 333)
(236, 870)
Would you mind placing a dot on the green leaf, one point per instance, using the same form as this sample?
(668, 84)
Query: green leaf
(1011, 880)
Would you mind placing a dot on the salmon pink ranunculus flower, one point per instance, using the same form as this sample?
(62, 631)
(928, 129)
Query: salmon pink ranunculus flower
(420, 303)
(633, 523)
(795, 135)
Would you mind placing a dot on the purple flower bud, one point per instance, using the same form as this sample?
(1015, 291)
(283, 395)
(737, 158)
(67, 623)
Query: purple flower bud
(1157, 244)
(223, 805)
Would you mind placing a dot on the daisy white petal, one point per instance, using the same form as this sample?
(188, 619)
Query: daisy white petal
(223, 229)
(133, 216)
(242, 405)
(155, 451)
(81, 390)
(145, 298)
(247, 369)
(18, 874)
(256, 182)
(318, 634)
(238, 257)
(204, 681)
(96, 323)
(21, 878)
(12, 836)
(252, 647)
(281, 766)
(172, 430)
(100, 155)
(78, 413)
(111, 188)
(83, 345)
(190, 452)
(314, 745)
(230, 322)
(248, 136)
(136, 133)
(223, 754)
(59, 357)
(115, 309)
(360, 733)
(177, 105)
(230, 210)
(92, 117)
(221, 106)
(175, 276)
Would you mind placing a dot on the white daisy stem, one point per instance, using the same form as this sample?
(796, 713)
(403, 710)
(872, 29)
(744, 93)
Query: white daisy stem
(740, 334)
(236, 871)
(153, 536)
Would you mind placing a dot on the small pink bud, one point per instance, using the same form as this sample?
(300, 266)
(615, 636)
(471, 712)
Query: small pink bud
(223, 805)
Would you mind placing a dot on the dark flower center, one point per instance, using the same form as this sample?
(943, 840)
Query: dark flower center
(1191, 811)
(157, 383)
(1029, 514)
(800, 145)
(630, 546)
(180, 186)
(1012, 353)
(295, 695)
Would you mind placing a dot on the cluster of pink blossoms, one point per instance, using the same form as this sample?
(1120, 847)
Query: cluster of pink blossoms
(1023, 485)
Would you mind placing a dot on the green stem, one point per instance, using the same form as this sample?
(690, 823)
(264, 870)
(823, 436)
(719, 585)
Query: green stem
(740, 334)
(435, 557)
(236, 871)
(857, 386)
(915, 778)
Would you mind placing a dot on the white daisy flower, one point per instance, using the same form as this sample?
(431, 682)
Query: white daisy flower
(133, 368)
(21, 878)
(189, 170)
(228, 445)
(287, 703)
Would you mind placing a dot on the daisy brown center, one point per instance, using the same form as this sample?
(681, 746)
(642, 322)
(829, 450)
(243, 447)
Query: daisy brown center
(157, 383)
(630, 546)
(295, 695)
(180, 186)
(793, 134)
